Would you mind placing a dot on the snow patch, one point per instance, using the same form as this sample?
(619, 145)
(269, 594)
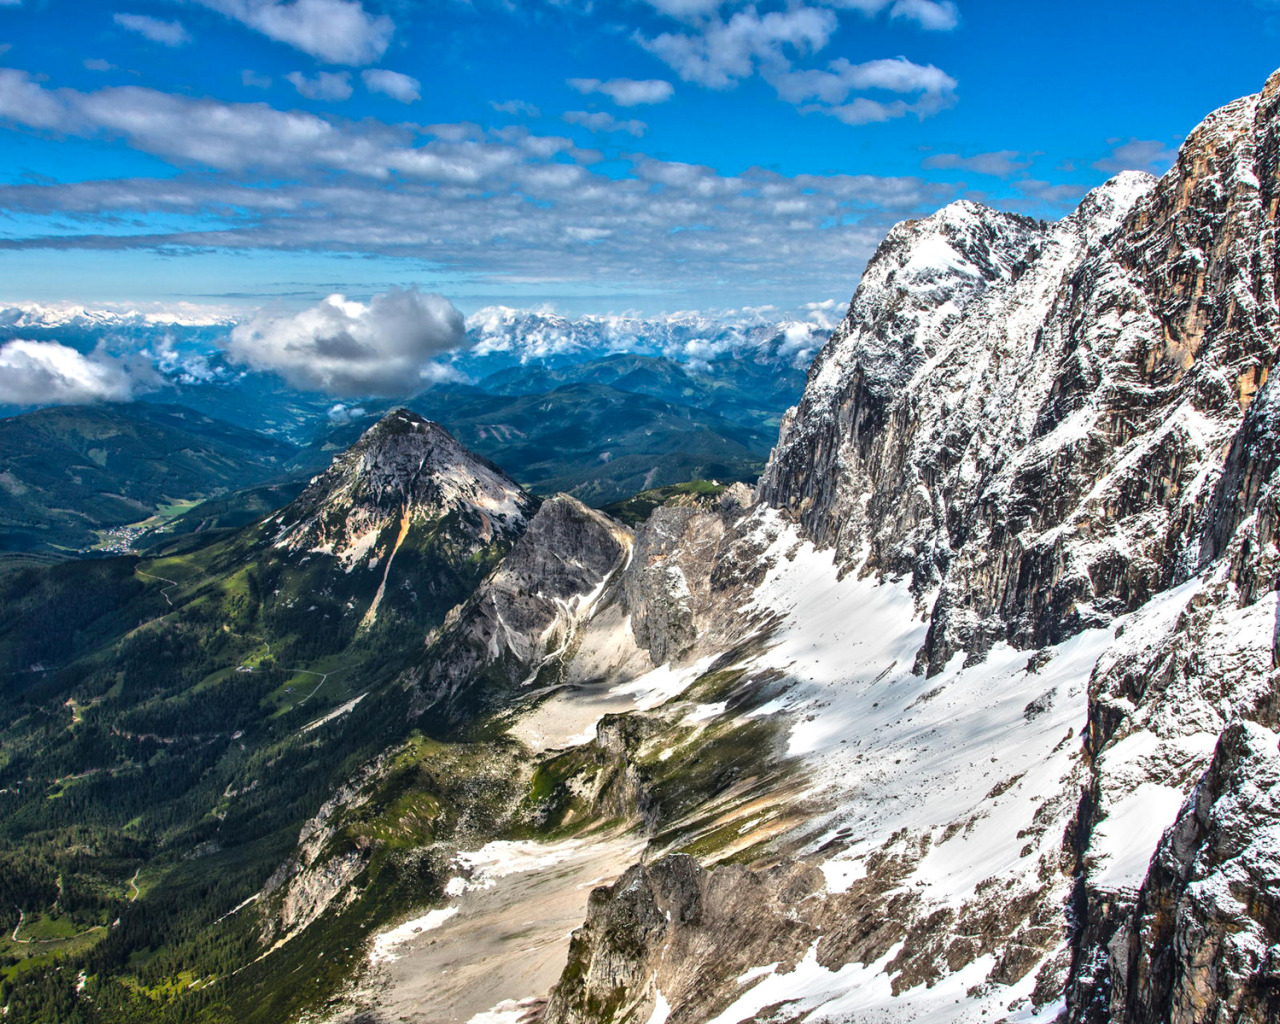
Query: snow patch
(386, 944)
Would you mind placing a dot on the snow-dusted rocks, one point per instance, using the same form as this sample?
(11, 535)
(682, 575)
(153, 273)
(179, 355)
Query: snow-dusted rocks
(1203, 942)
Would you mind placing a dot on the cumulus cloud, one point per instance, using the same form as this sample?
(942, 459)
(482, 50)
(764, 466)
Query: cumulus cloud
(686, 8)
(350, 348)
(626, 92)
(829, 91)
(327, 85)
(342, 413)
(392, 83)
(252, 80)
(1062, 195)
(48, 373)
(599, 121)
(723, 52)
(337, 31)
(932, 15)
(1000, 164)
(1137, 155)
(167, 33)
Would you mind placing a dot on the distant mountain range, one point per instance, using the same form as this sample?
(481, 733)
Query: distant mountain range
(598, 407)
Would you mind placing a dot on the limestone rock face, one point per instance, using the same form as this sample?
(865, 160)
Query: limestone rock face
(1034, 436)
(522, 624)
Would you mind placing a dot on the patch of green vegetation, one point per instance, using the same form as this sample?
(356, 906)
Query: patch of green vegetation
(639, 507)
(69, 473)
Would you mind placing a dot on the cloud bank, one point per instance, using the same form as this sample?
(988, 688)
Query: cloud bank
(626, 92)
(47, 373)
(352, 349)
(503, 204)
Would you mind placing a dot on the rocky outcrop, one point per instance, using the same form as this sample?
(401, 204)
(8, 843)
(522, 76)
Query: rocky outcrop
(677, 933)
(523, 623)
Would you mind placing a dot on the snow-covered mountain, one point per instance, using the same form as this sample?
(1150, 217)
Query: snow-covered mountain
(973, 715)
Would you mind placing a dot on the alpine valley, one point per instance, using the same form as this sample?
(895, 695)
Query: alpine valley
(970, 711)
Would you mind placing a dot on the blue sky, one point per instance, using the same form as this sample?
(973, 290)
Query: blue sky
(632, 154)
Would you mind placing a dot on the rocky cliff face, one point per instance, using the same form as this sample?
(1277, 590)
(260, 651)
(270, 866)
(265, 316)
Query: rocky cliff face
(523, 624)
(1037, 444)
(1202, 942)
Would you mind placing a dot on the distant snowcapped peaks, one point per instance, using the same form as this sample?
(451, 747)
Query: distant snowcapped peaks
(543, 336)
(35, 315)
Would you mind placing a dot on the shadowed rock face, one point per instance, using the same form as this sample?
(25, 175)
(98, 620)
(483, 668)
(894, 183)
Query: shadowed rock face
(1203, 942)
(1027, 417)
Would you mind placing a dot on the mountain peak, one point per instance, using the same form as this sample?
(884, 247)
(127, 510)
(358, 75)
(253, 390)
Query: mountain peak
(403, 470)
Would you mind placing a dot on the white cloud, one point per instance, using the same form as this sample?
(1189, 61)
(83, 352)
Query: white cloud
(253, 80)
(349, 348)
(723, 52)
(167, 33)
(516, 108)
(97, 64)
(337, 31)
(47, 373)
(626, 92)
(1002, 163)
(933, 15)
(1065, 196)
(1137, 155)
(933, 88)
(600, 121)
(327, 85)
(687, 9)
(392, 83)
(342, 413)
